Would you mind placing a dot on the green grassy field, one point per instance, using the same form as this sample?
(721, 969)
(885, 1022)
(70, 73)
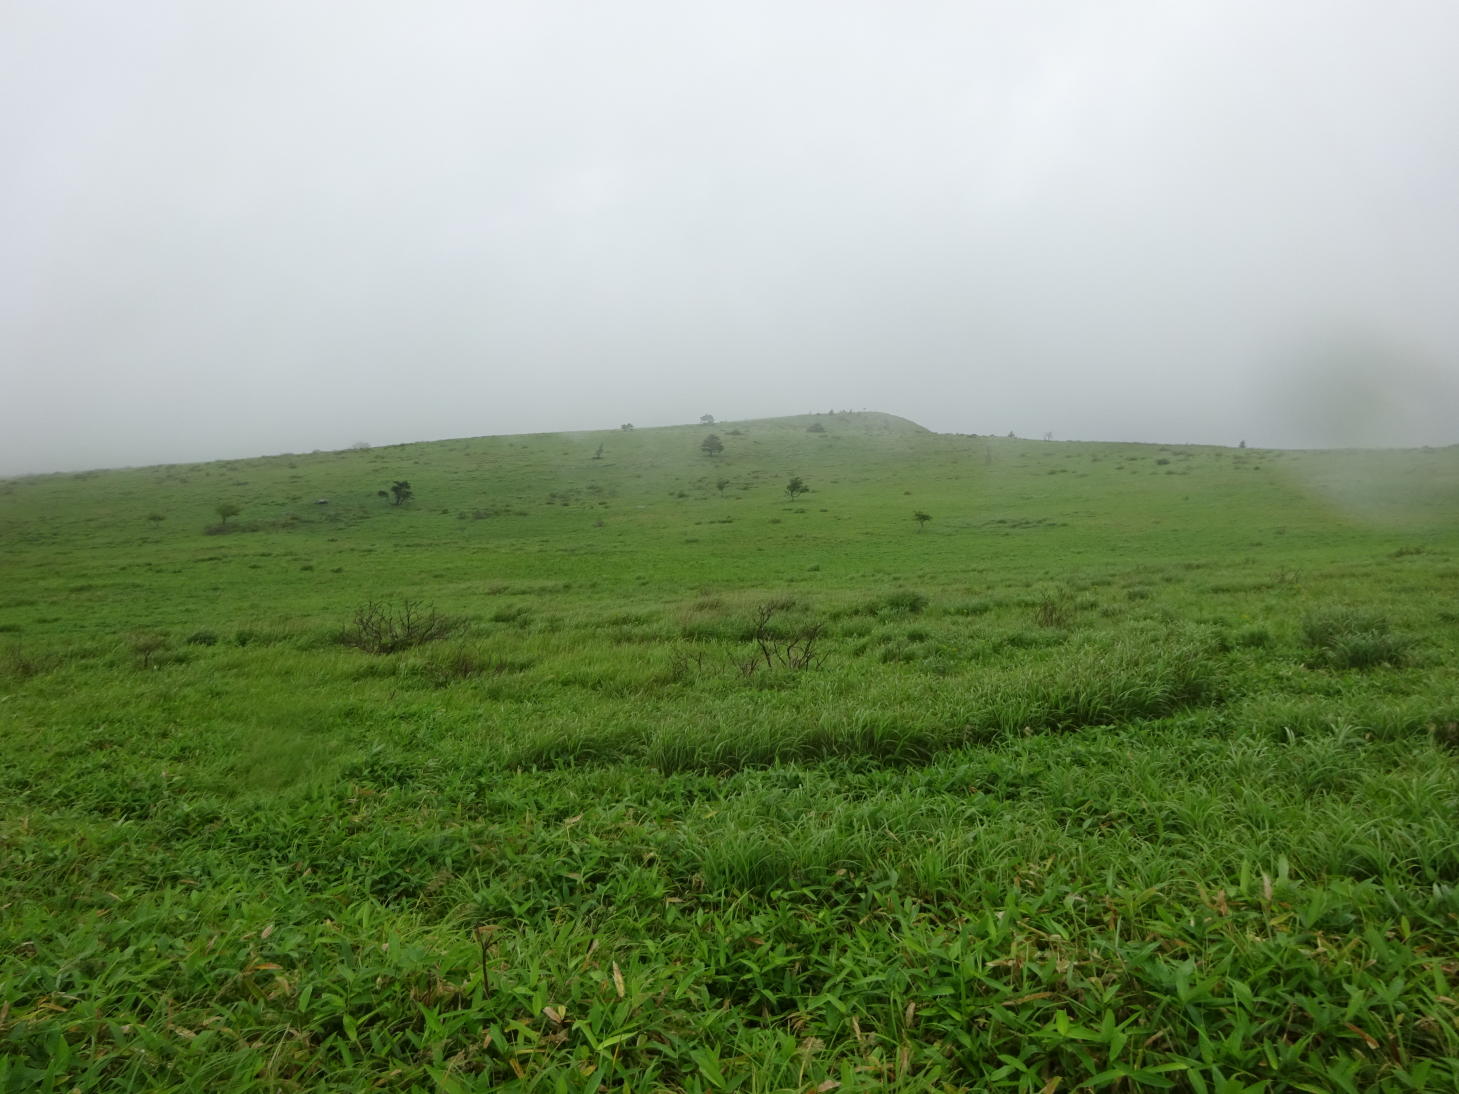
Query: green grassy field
(1133, 768)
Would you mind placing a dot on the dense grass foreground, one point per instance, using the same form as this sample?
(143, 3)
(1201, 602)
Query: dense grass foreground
(1135, 769)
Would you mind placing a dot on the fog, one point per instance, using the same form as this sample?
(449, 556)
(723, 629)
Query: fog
(237, 229)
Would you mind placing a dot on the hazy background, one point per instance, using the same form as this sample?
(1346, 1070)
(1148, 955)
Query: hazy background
(241, 228)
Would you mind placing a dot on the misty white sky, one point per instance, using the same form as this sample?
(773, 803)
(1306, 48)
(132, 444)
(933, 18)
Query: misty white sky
(239, 228)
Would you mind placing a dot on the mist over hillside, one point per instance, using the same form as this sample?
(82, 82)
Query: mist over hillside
(782, 548)
(866, 421)
(275, 227)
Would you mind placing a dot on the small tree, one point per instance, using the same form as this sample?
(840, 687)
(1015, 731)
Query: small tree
(226, 509)
(712, 445)
(401, 491)
(720, 484)
(921, 518)
(147, 645)
(706, 419)
(627, 427)
(598, 455)
(795, 487)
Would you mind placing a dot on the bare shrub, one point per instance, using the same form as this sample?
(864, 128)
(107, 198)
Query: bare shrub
(686, 665)
(381, 627)
(794, 648)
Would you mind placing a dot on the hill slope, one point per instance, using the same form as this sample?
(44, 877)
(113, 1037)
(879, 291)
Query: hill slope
(649, 507)
(697, 783)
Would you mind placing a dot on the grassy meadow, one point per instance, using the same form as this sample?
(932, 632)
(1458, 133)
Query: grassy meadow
(603, 764)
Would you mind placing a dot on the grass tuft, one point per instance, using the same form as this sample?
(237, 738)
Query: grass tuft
(1350, 638)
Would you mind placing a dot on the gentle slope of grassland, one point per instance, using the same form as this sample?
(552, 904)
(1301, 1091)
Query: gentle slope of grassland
(1134, 769)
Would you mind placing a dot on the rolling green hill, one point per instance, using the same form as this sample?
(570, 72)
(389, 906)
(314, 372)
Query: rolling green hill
(605, 763)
